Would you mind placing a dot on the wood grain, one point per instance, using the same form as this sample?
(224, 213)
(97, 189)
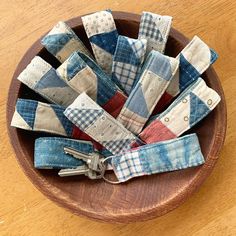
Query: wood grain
(211, 211)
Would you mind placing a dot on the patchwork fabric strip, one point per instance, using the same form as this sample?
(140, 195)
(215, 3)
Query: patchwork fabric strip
(61, 41)
(49, 152)
(159, 157)
(43, 79)
(127, 61)
(155, 28)
(100, 125)
(84, 75)
(189, 108)
(101, 31)
(38, 116)
(194, 59)
(157, 74)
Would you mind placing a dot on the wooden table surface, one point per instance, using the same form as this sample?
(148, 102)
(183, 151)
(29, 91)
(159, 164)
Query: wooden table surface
(210, 211)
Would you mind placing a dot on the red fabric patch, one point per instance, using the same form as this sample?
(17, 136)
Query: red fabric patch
(115, 104)
(165, 100)
(156, 132)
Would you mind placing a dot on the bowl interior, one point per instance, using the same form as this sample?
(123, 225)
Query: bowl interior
(141, 198)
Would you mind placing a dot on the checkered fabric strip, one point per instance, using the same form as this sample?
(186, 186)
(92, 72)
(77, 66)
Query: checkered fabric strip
(102, 127)
(175, 154)
(194, 103)
(43, 79)
(159, 70)
(100, 29)
(155, 28)
(61, 41)
(127, 61)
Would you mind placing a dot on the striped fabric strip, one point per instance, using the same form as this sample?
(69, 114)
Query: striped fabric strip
(194, 59)
(127, 61)
(43, 79)
(155, 29)
(175, 154)
(61, 41)
(193, 104)
(101, 126)
(84, 75)
(157, 74)
(101, 31)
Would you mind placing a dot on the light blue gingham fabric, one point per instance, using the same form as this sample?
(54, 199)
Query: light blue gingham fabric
(43, 79)
(127, 61)
(159, 157)
(61, 41)
(157, 74)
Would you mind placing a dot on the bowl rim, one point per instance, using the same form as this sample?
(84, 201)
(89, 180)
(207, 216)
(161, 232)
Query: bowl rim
(143, 214)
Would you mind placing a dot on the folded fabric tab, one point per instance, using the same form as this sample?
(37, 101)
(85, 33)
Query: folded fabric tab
(157, 74)
(61, 41)
(127, 61)
(194, 103)
(155, 28)
(159, 157)
(194, 59)
(101, 31)
(49, 152)
(100, 125)
(84, 75)
(43, 79)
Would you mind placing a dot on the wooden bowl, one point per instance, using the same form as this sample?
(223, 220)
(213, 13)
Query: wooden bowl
(141, 198)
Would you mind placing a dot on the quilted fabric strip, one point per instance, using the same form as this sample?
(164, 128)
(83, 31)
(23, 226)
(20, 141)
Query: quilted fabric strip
(101, 31)
(194, 59)
(157, 74)
(194, 103)
(101, 126)
(43, 79)
(155, 29)
(61, 41)
(159, 157)
(127, 61)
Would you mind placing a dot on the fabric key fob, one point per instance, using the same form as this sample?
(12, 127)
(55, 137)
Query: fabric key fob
(102, 34)
(127, 61)
(155, 29)
(193, 104)
(61, 41)
(101, 126)
(43, 79)
(175, 154)
(157, 74)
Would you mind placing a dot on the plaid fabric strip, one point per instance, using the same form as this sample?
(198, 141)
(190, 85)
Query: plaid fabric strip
(61, 41)
(158, 72)
(171, 155)
(127, 61)
(194, 103)
(194, 59)
(43, 79)
(101, 29)
(49, 152)
(100, 125)
(155, 28)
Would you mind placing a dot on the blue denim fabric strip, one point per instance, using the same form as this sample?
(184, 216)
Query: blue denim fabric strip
(49, 152)
(38, 116)
(127, 61)
(159, 70)
(61, 41)
(175, 154)
(101, 31)
(101, 126)
(43, 79)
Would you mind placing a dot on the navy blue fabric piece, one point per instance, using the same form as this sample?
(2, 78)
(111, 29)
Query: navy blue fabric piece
(50, 80)
(214, 56)
(27, 108)
(106, 41)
